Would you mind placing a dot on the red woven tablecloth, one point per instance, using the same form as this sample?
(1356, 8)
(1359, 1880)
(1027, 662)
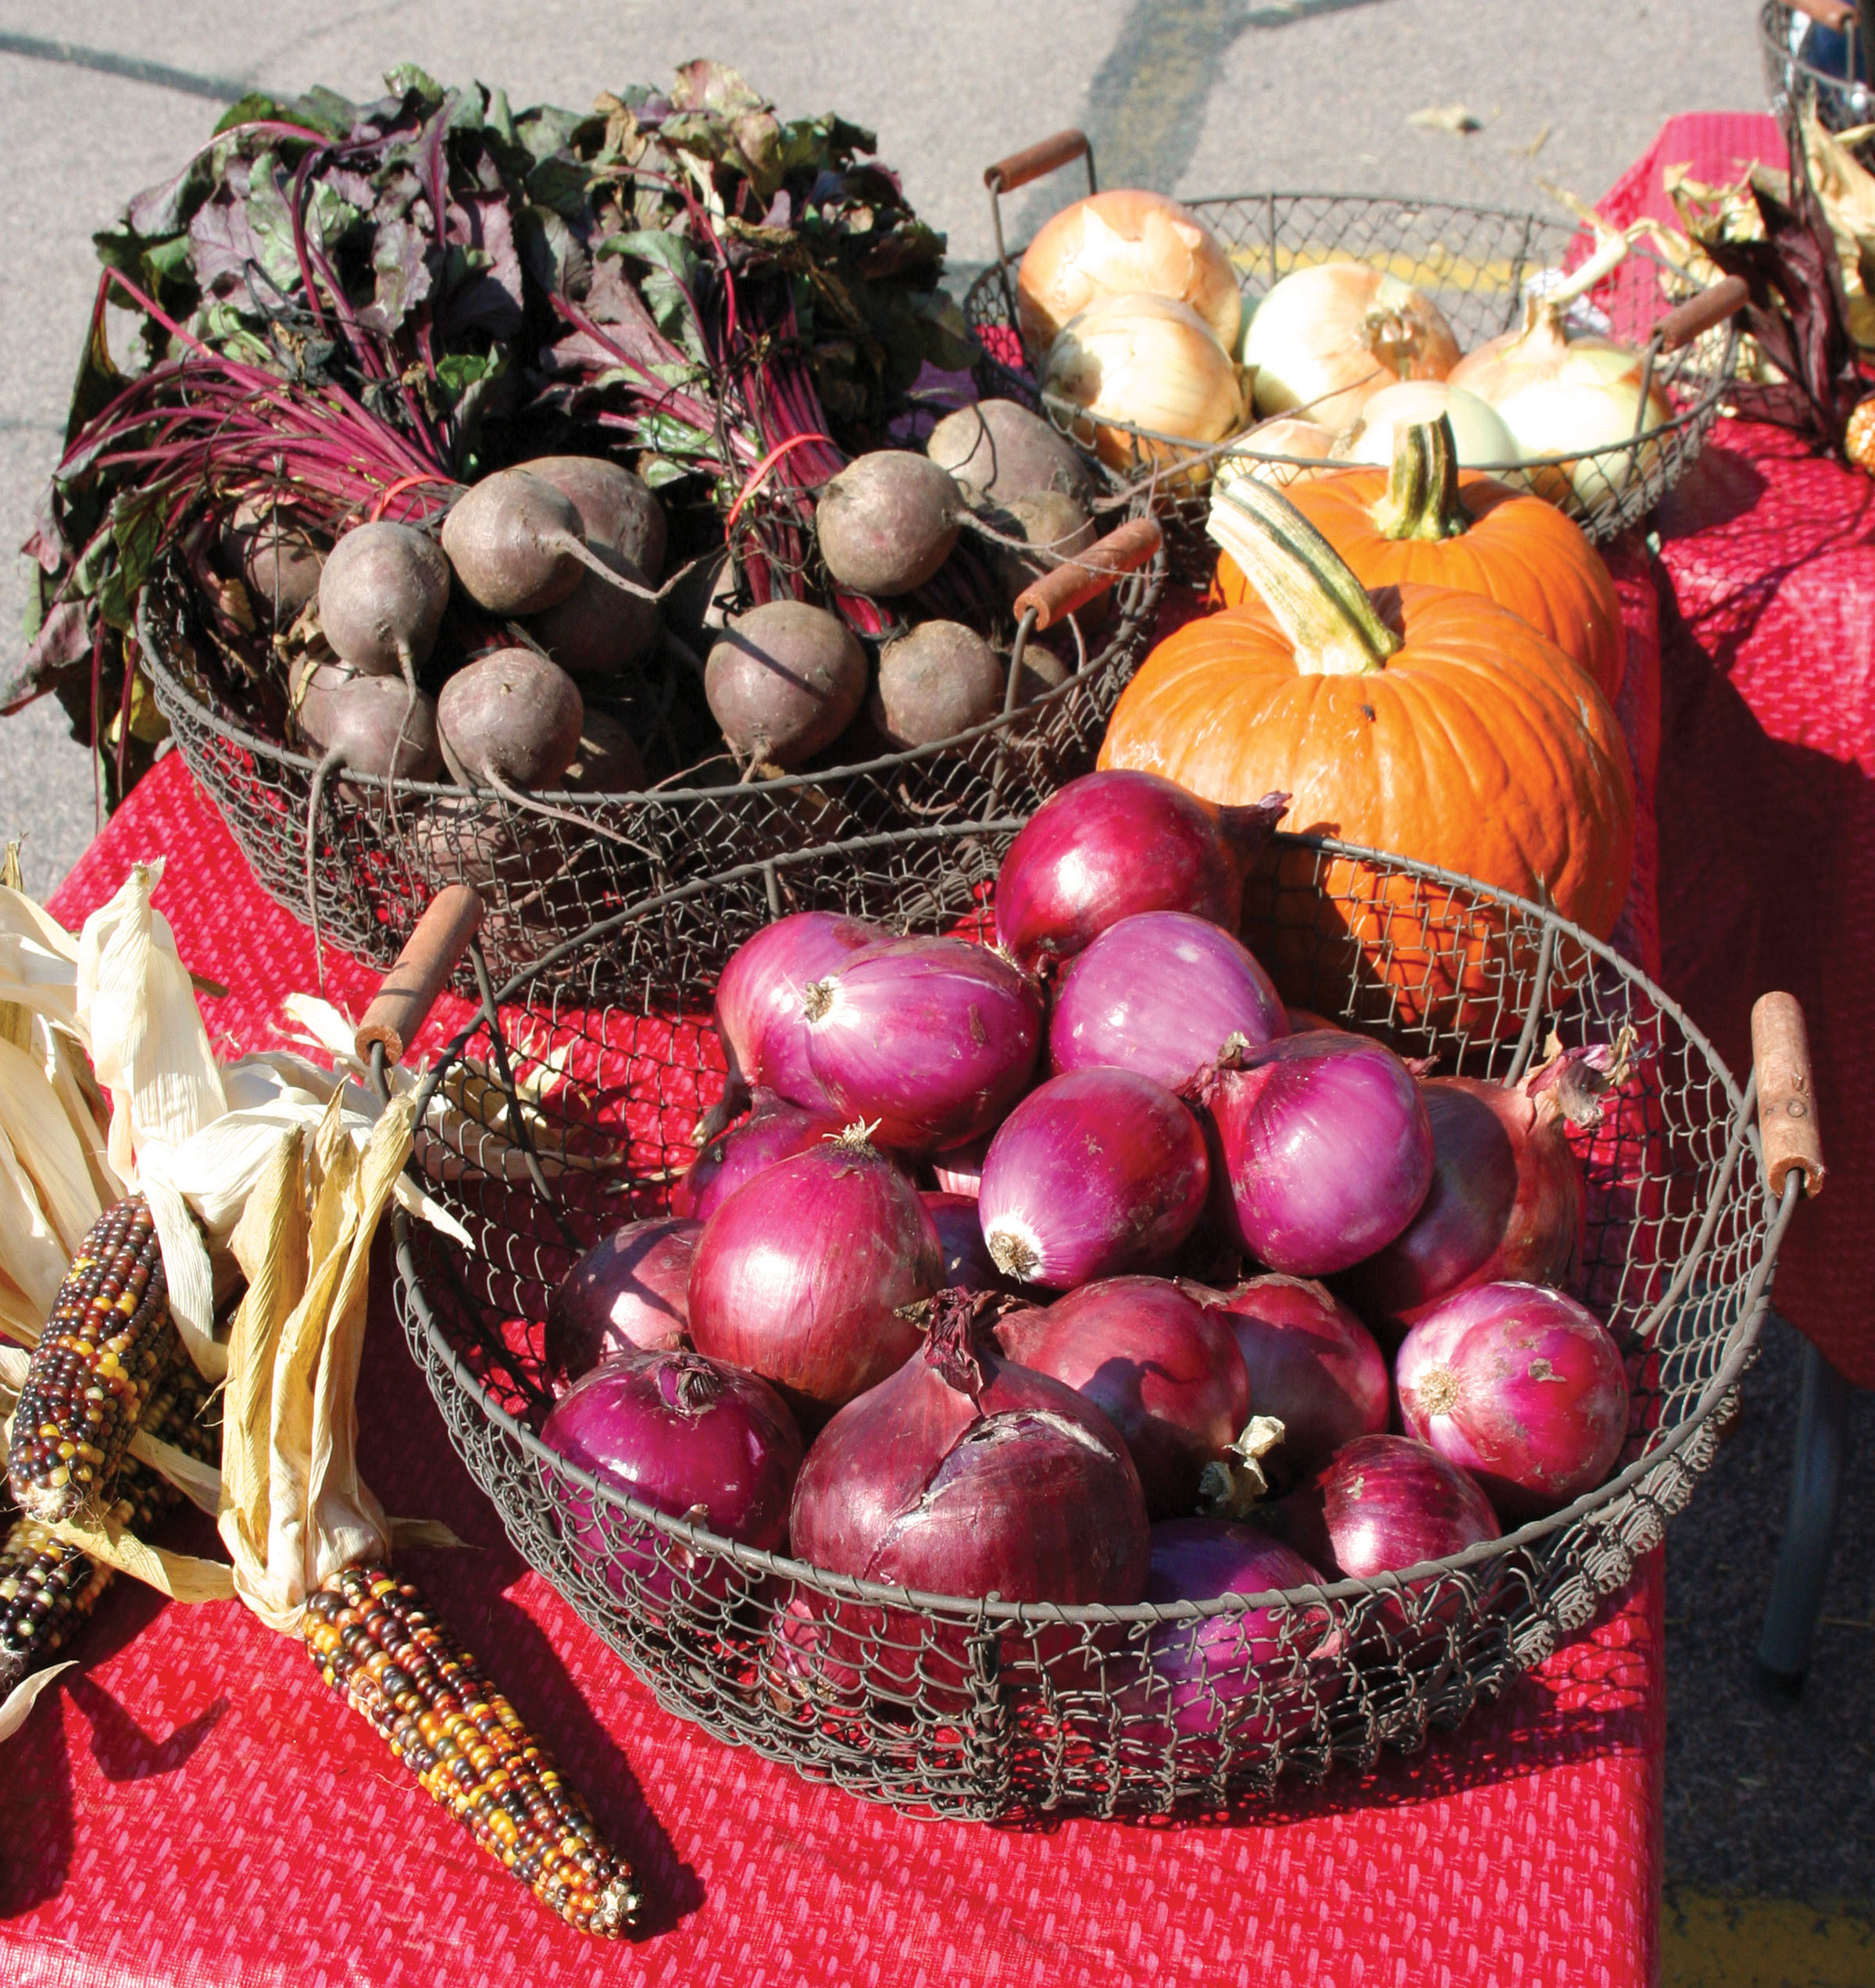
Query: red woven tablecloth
(192, 1808)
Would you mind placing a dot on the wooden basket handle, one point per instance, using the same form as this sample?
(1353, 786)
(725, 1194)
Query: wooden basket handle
(429, 956)
(1787, 1098)
(1685, 322)
(1077, 581)
(1033, 162)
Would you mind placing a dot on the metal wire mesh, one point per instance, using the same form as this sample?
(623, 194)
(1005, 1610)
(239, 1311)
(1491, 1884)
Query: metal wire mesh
(1821, 68)
(383, 849)
(553, 1117)
(1473, 263)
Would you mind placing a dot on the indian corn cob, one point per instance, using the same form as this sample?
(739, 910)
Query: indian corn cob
(374, 1641)
(110, 1335)
(49, 1586)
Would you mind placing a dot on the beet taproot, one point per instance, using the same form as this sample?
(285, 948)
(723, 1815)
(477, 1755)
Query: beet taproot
(510, 720)
(382, 592)
(514, 543)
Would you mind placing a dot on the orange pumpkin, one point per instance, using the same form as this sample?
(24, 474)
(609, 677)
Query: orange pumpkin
(1422, 520)
(1457, 735)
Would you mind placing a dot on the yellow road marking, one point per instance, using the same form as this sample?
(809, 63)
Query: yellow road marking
(1708, 1942)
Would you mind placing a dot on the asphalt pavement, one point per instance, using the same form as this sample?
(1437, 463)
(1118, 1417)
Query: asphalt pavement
(1192, 96)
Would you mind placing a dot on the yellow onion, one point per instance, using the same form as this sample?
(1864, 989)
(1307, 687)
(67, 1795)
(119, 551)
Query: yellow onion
(1478, 428)
(1559, 395)
(1153, 363)
(1126, 243)
(1288, 434)
(1327, 339)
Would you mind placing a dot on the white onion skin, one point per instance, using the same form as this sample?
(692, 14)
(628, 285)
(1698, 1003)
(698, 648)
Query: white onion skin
(1093, 1174)
(799, 1277)
(1521, 1386)
(1151, 363)
(1327, 339)
(958, 1169)
(1559, 396)
(1288, 434)
(1477, 429)
(929, 1041)
(1125, 243)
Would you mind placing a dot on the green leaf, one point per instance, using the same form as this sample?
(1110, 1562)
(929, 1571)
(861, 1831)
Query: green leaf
(561, 183)
(657, 471)
(256, 108)
(407, 80)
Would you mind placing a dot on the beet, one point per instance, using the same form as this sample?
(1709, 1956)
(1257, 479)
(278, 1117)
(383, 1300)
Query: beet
(369, 724)
(461, 839)
(887, 522)
(511, 719)
(381, 595)
(1057, 528)
(596, 630)
(607, 761)
(516, 546)
(276, 562)
(784, 680)
(998, 452)
(938, 680)
(617, 510)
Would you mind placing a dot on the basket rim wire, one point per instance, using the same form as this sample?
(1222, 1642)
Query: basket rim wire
(1774, 20)
(1184, 455)
(1740, 1345)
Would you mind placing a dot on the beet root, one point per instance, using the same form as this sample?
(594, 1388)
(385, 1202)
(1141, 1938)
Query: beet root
(784, 680)
(998, 450)
(511, 719)
(370, 723)
(382, 592)
(1054, 526)
(939, 679)
(274, 559)
(887, 522)
(607, 761)
(597, 631)
(617, 511)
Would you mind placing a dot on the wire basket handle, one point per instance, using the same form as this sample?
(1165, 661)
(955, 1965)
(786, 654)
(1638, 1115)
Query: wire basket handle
(429, 956)
(1787, 1098)
(1034, 162)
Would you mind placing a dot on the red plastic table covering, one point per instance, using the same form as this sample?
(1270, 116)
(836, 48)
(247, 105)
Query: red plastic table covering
(194, 1808)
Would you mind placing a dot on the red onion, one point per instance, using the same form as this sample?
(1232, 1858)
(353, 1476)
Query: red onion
(1304, 1021)
(1161, 993)
(1312, 1364)
(1506, 1200)
(967, 1257)
(1092, 1174)
(759, 1000)
(959, 1168)
(1320, 1148)
(691, 1437)
(629, 1289)
(961, 1474)
(800, 1274)
(1162, 1369)
(1523, 1387)
(1255, 1675)
(927, 1041)
(1111, 843)
(774, 1130)
(1385, 1502)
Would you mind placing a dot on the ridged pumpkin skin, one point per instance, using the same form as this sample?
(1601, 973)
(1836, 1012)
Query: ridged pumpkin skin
(1478, 747)
(1519, 551)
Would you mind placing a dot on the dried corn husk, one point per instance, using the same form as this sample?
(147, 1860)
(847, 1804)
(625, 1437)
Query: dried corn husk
(19, 1701)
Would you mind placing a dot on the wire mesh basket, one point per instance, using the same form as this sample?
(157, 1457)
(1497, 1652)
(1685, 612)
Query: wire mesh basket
(1819, 59)
(553, 1117)
(383, 849)
(1476, 264)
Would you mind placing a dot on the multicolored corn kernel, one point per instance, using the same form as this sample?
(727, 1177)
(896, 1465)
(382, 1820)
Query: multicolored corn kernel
(109, 1336)
(375, 1642)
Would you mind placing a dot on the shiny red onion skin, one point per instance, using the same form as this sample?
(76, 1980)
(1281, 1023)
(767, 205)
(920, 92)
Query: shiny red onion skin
(1161, 993)
(929, 1041)
(1321, 1149)
(1505, 1204)
(967, 1257)
(1202, 1677)
(800, 1274)
(630, 1290)
(691, 1437)
(1109, 844)
(1520, 1385)
(1093, 1174)
(1312, 1364)
(1383, 1504)
(1027, 1489)
(774, 1130)
(758, 999)
(958, 1169)
(1163, 1370)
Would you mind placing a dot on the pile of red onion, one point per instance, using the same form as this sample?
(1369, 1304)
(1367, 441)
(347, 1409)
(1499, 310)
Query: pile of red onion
(1030, 1240)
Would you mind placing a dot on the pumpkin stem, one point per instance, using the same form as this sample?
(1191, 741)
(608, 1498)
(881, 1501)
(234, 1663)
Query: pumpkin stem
(1421, 495)
(1303, 582)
